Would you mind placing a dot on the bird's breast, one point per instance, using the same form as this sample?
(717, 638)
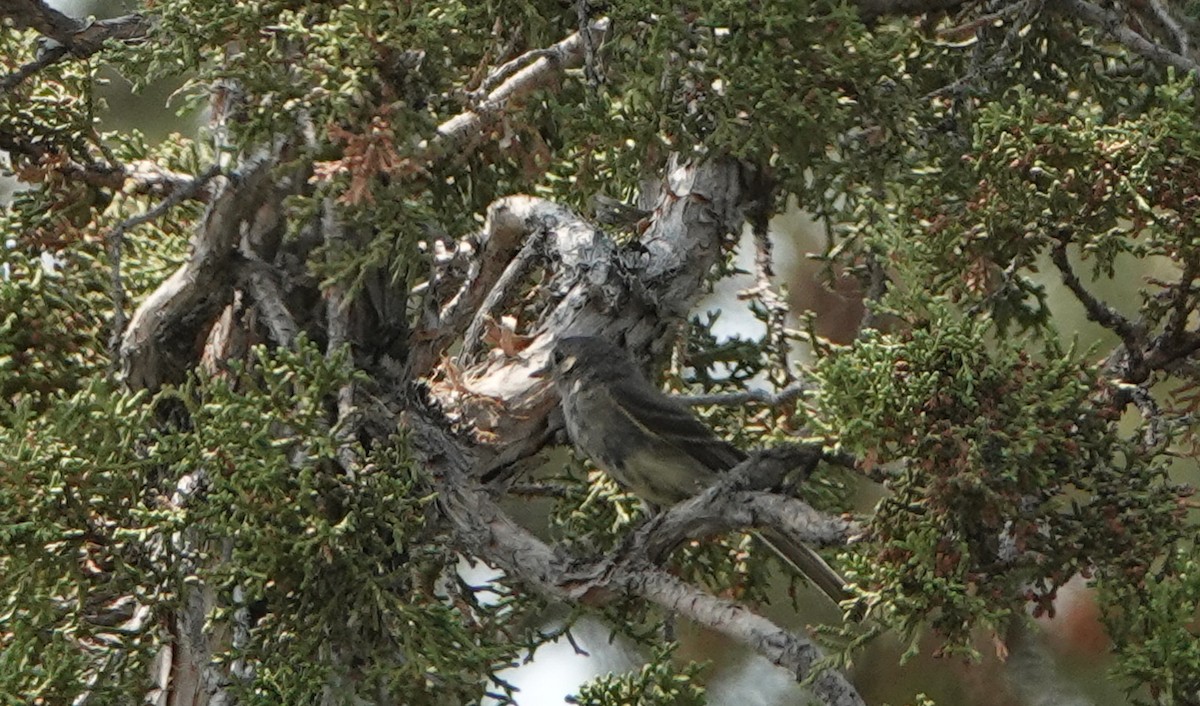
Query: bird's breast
(643, 463)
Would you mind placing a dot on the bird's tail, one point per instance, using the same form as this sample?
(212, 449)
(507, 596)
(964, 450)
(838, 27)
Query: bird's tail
(806, 562)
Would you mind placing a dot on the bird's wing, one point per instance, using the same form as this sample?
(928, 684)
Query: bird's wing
(660, 415)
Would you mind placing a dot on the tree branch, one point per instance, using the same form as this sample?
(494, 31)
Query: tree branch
(116, 240)
(464, 131)
(509, 222)
(485, 531)
(160, 343)
(1114, 24)
(589, 289)
(67, 35)
(738, 502)
(503, 290)
(38, 16)
(259, 280)
(787, 395)
(1132, 334)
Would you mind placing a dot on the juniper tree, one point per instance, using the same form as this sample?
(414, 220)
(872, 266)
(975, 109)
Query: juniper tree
(265, 386)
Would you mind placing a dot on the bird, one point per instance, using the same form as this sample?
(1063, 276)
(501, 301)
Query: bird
(650, 444)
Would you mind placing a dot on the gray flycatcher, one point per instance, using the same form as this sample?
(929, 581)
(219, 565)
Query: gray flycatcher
(651, 444)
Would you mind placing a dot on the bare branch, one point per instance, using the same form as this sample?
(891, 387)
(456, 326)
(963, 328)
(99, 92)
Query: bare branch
(67, 36)
(160, 341)
(503, 290)
(1181, 300)
(591, 63)
(776, 309)
(718, 510)
(1137, 357)
(877, 284)
(91, 38)
(37, 15)
(1169, 26)
(590, 289)
(46, 57)
(260, 283)
(485, 531)
(116, 241)
(467, 129)
(538, 490)
(337, 322)
(509, 222)
(1132, 335)
(508, 69)
(1167, 352)
(1114, 24)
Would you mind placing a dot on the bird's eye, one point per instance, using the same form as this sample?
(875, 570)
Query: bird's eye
(558, 356)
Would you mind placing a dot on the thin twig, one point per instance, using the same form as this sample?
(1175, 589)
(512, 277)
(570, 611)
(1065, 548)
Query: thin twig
(463, 131)
(1167, 351)
(776, 310)
(591, 64)
(37, 15)
(877, 282)
(66, 36)
(1177, 32)
(538, 490)
(785, 396)
(1026, 11)
(1154, 436)
(564, 631)
(116, 242)
(575, 646)
(1180, 311)
(260, 282)
(1131, 334)
(509, 68)
(959, 32)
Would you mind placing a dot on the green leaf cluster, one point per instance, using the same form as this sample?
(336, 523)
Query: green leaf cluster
(1149, 623)
(114, 506)
(78, 537)
(336, 571)
(1006, 473)
(658, 683)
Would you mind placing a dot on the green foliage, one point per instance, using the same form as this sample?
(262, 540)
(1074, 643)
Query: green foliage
(89, 506)
(1013, 475)
(1153, 625)
(290, 530)
(48, 339)
(954, 166)
(1113, 184)
(78, 538)
(57, 108)
(656, 684)
(55, 279)
(773, 85)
